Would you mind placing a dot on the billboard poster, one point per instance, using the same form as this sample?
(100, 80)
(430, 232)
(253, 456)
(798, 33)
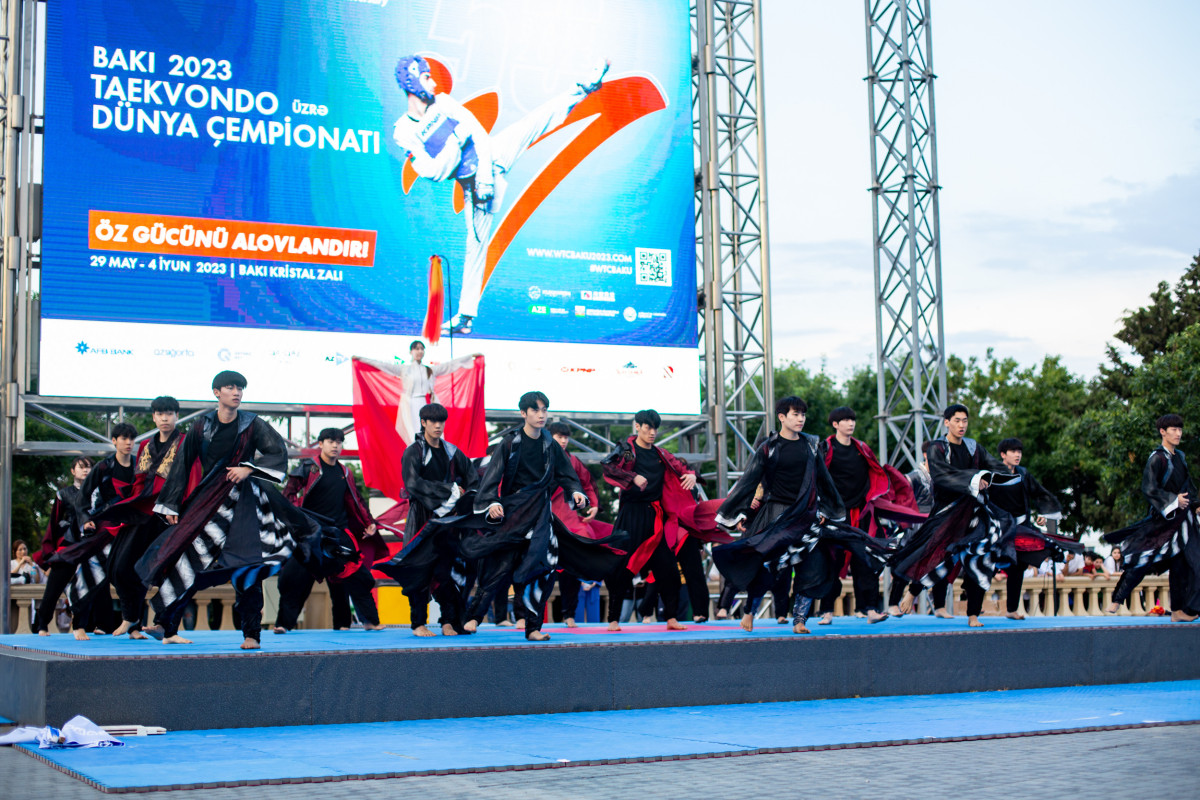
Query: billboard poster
(274, 187)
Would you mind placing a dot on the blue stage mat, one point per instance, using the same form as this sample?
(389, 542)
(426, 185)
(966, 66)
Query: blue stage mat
(324, 641)
(332, 752)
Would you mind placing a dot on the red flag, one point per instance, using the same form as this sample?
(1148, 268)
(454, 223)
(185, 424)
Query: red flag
(432, 330)
(383, 414)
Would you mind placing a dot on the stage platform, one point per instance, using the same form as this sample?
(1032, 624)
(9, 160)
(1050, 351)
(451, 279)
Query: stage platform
(329, 677)
(320, 753)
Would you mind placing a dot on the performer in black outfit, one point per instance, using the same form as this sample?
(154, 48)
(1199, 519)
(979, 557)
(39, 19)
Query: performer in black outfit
(61, 532)
(1027, 500)
(964, 528)
(655, 488)
(228, 520)
(513, 527)
(1167, 537)
(108, 483)
(325, 487)
(440, 481)
(796, 525)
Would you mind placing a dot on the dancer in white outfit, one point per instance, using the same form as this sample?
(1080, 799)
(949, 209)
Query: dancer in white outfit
(446, 141)
(417, 382)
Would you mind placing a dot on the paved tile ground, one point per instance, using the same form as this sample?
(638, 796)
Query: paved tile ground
(1147, 762)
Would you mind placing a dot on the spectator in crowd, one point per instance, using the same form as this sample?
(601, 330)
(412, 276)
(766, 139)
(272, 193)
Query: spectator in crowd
(588, 607)
(21, 567)
(1114, 564)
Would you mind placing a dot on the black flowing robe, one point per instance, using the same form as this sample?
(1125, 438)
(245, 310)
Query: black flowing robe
(529, 522)
(1026, 545)
(226, 532)
(786, 532)
(101, 490)
(450, 494)
(965, 527)
(1167, 530)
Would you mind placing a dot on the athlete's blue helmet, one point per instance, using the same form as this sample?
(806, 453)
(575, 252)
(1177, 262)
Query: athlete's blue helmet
(409, 70)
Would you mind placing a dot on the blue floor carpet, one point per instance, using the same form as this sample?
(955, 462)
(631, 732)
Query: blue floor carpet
(332, 752)
(305, 641)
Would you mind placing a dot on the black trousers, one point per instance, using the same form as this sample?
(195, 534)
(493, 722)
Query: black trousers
(781, 593)
(131, 545)
(975, 594)
(568, 593)
(691, 562)
(726, 597)
(529, 599)
(57, 579)
(940, 591)
(866, 587)
(295, 585)
(247, 608)
(1177, 580)
(666, 577)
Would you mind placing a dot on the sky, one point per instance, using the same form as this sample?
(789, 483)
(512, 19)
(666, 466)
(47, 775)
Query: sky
(1068, 138)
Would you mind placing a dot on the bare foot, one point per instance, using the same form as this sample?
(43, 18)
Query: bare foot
(674, 625)
(894, 611)
(43, 633)
(80, 635)
(699, 620)
(176, 639)
(122, 629)
(537, 636)
(470, 626)
(1182, 616)
(279, 629)
(748, 622)
(343, 628)
(422, 630)
(1112, 608)
(722, 614)
(137, 635)
(974, 622)
(153, 631)
(614, 626)
(800, 627)
(504, 624)
(943, 613)
(448, 630)
(907, 603)
(1015, 615)
(826, 618)
(520, 625)
(99, 632)
(369, 627)
(781, 620)
(646, 620)
(861, 615)
(874, 616)
(571, 622)
(250, 644)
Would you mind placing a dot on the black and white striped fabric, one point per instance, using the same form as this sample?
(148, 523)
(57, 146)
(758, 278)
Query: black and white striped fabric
(89, 576)
(204, 553)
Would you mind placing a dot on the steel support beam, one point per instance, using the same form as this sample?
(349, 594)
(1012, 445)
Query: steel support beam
(909, 340)
(735, 285)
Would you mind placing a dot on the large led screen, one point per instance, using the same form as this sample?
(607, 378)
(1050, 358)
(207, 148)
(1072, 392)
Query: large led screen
(274, 187)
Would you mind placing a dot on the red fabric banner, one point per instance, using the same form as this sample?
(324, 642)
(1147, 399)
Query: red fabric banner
(381, 417)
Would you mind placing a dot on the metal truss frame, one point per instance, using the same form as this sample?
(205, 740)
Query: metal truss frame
(910, 342)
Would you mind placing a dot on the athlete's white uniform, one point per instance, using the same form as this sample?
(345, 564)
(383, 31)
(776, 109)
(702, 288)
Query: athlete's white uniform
(416, 385)
(448, 141)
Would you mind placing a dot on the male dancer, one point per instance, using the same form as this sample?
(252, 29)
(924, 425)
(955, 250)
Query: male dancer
(140, 526)
(655, 489)
(445, 141)
(963, 528)
(869, 490)
(1166, 538)
(439, 478)
(109, 482)
(526, 538)
(228, 522)
(1028, 546)
(62, 531)
(581, 523)
(325, 487)
(796, 524)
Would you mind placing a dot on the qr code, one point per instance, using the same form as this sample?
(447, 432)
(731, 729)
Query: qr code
(653, 267)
